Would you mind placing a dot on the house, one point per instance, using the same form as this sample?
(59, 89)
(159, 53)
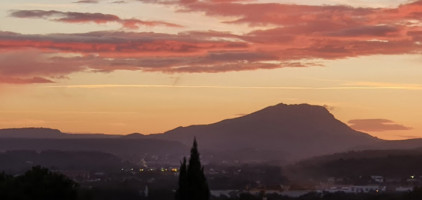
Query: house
(378, 179)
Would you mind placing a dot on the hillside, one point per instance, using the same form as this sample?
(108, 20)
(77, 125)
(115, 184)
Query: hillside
(128, 149)
(18, 161)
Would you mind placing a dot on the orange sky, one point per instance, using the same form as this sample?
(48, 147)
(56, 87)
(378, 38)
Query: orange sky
(143, 66)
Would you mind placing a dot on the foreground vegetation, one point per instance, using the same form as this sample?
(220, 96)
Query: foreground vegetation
(37, 184)
(42, 184)
(414, 195)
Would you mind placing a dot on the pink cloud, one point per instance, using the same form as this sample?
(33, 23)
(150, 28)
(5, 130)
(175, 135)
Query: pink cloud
(48, 55)
(29, 66)
(293, 34)
(78, 17)
(16, 80)
(135, 23)
(118, 44)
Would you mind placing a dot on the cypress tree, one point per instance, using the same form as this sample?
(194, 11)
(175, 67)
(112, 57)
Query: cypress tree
(183, 186)
(192, 182)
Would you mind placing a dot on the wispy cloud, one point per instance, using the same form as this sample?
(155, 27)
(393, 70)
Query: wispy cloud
(16, 80)
(87, 1)
(99, 86)
(78, 17)
(385, 85)
(377, 125)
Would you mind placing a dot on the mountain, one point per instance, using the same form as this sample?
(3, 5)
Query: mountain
(134, 150)
(280, 132)
(47, 133)
(134, 136)
(30, 133)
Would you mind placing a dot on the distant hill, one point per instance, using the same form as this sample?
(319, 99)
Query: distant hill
(274, 133)
(134, 136)
(354, 164)
(395, 144)
(30, 133)
(47, 133)
(22, 160)
(134, 150)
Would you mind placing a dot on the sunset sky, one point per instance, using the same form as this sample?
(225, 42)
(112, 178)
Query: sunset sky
(148, 66)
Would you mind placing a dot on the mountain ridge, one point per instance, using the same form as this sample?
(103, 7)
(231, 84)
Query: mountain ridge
(279, 132)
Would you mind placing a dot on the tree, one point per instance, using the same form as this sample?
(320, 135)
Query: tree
(37, 184)
(6, 185)
(192, 182)
(183, 186)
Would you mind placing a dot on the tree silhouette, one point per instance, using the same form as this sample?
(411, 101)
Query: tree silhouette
(192, 182)
(37, 184)
(183, 186)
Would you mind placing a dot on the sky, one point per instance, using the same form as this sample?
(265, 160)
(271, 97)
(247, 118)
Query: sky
(148, 66)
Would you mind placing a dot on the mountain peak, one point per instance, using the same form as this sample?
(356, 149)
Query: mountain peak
(297, 107)
(134, 135)
(293, 113)
(299, 130)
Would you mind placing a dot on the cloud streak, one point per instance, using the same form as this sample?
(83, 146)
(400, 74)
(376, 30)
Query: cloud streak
(377, 125)
(78, 17)
(87, 1)
(14, 80)
(104, 86)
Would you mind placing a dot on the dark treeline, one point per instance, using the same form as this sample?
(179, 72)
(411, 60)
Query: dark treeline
(414, 195)
(19, 161)
(390, 164)
(45, 184)
(40, 183)
(245, 176)
(37, 184)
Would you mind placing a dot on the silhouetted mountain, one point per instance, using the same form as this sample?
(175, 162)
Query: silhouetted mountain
(276, 132)
(48, 133)
(134, 136)
(30, 133)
